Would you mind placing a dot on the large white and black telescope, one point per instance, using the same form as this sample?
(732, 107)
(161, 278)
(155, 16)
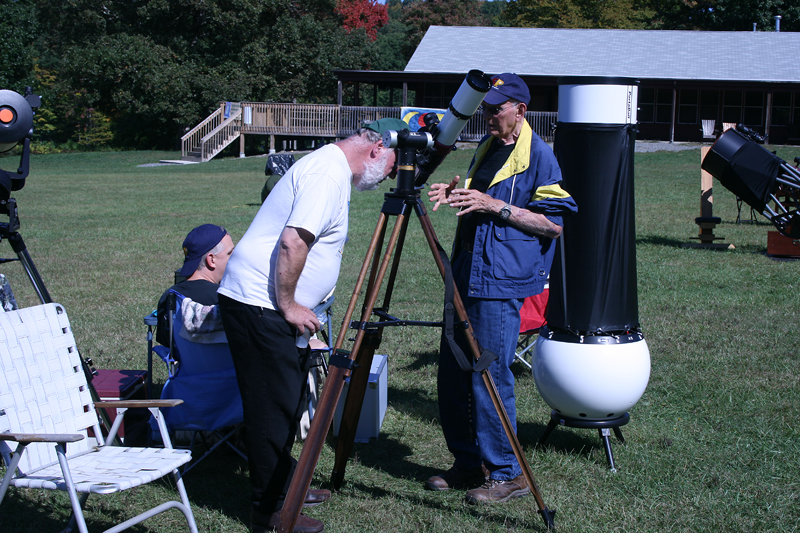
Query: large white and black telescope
(591, 363)
(758, 177)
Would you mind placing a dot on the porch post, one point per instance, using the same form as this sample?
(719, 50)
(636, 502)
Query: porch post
(672, 120)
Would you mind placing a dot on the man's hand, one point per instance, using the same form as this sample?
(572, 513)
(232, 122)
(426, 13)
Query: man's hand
(301, 317)
(440, 192)
(469, 200)
(292, 253)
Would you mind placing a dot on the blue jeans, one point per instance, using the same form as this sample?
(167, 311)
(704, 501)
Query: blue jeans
(470, 423)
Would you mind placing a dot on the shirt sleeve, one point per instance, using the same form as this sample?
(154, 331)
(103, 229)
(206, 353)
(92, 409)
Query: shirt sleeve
(314, 207)
(548, 197)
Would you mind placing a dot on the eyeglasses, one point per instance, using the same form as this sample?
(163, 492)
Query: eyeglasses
(494, 110)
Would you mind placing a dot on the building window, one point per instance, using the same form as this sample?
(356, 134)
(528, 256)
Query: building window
(709, 105)
(438, 95)
(781, 108)
(687, 108)
(647, 105)
(796, 110)
(664, 106)
(754, 108)
(655, 105)
(732, 107)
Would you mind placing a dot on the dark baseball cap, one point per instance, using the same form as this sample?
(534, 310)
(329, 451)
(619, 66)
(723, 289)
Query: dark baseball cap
(197, 244)
(505, 86)
(386, 124)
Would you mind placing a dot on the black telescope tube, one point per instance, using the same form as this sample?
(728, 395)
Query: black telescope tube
(593, 285)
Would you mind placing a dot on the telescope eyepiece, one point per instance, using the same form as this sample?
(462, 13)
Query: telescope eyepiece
(407, 139)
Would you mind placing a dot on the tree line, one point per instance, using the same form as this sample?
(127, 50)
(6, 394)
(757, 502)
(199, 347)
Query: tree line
(139, 73)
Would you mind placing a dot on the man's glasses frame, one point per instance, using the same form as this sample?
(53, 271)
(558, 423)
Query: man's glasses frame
(494, 110)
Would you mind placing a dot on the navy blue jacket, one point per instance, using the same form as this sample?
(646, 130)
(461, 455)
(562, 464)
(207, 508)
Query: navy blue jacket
(507, 262)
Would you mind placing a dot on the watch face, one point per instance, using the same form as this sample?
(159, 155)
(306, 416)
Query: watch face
(505, 212)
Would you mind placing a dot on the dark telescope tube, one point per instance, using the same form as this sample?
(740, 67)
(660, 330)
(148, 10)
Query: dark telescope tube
(593, 281)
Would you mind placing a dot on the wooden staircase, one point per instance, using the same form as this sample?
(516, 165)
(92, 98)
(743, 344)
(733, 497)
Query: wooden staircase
(211, 136)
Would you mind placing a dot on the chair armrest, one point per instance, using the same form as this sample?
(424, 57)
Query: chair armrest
(41, 437)
(138, 403)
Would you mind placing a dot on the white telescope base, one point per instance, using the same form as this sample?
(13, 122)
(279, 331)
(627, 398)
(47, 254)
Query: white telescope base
(591, 381)
(591, 385)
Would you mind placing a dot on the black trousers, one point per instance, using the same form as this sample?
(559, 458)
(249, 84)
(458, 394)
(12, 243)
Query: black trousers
(272, 373)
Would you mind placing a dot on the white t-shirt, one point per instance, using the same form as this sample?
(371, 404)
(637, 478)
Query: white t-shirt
(313, 195)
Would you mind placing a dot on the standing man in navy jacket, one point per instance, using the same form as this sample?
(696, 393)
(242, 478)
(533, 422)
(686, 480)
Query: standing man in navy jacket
(510, 213)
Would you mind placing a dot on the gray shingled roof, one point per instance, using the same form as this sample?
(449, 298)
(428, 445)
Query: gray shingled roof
(693, 55)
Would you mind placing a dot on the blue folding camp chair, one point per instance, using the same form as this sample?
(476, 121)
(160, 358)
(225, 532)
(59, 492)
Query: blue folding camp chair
(201, 374)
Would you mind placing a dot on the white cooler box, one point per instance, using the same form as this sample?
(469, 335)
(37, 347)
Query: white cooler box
(374, 408)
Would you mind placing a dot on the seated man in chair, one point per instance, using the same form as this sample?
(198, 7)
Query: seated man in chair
(206, 251)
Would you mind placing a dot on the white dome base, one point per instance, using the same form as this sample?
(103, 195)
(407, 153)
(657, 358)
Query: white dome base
(591, 381)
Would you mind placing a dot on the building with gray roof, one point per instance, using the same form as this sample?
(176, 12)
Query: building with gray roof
(687, 78)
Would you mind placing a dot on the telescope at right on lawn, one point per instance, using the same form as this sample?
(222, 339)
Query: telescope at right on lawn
(758, 177)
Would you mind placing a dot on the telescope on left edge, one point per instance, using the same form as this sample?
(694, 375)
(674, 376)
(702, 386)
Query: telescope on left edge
(16, 124)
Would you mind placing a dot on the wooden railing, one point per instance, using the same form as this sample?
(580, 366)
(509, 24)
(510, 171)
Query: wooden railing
(313, 120)
(351, 117)
(190, 143)
(221, 136)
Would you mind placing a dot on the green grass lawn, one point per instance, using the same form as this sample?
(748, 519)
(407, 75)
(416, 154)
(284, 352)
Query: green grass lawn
(713, 445)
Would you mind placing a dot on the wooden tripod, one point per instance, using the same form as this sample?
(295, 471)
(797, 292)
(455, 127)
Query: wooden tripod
(356, 365)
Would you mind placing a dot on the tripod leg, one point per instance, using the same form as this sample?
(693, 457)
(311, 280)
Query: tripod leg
(18, 245)
(351, 414)
(618, 433)
(331, 391)
(360, 376)
(548, 430)
(430, 235)
(605, 434)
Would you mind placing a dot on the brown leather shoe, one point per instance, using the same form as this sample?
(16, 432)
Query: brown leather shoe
(455, 478)
(260, 523)
(499, 491)
(315, 497)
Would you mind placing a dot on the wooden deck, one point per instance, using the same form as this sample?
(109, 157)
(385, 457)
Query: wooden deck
(233, 120)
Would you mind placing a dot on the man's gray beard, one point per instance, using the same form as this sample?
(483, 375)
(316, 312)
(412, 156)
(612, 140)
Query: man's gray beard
(373, 173)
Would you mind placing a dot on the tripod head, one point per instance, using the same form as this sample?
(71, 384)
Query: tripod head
(407, 144)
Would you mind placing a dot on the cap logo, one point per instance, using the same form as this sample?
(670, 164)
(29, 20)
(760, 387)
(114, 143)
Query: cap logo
(497, 82)
(185, 251)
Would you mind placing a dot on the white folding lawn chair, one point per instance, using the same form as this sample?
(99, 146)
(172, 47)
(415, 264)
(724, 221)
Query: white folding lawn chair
(45, 404)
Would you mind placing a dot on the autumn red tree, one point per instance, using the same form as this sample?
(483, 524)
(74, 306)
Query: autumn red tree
(366, 14)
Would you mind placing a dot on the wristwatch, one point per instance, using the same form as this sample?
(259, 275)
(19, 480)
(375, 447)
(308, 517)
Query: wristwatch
(505, 212)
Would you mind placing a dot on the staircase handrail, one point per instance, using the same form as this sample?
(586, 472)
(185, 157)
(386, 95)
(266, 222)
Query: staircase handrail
(228, 125)
(191, 139)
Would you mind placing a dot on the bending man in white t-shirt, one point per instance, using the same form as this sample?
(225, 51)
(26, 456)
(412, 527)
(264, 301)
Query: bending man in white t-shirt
(288, 262)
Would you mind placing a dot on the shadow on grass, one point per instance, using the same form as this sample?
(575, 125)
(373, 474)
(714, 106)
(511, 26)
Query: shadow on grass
(34, 513)
(230, 491)
(39, 510)
(484, 513)
(659, 240)
(423, 360)
(414, 402)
